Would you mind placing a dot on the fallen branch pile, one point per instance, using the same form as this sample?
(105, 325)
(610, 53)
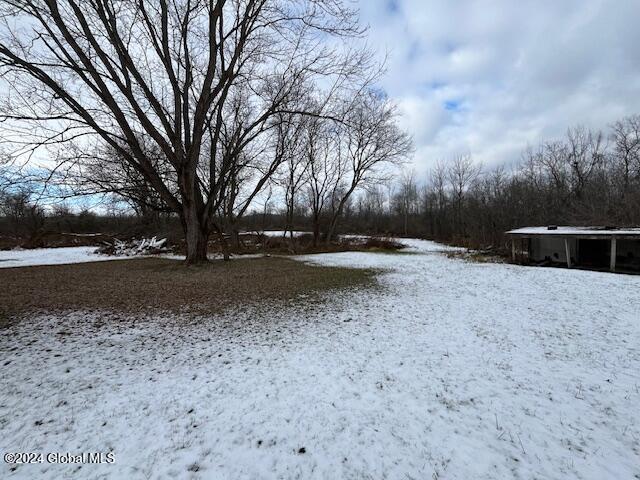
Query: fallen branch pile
(134, 247)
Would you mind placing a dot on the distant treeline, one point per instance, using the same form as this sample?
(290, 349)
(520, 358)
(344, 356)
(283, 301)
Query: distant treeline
(586, 178)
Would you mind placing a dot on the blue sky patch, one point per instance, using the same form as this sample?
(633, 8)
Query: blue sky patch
(392, 6)
(452, 105)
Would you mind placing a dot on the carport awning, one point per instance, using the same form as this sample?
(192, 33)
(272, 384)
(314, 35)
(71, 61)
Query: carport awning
(576, 232)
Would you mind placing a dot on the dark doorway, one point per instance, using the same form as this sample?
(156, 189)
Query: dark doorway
(594, 253)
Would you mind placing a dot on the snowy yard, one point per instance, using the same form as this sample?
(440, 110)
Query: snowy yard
(49, 256)
(453, 370)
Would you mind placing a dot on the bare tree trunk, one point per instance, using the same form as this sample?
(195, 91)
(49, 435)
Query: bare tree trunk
(235, 238)
(224, 245)
(332, 226)
(338, 213)
(292, 240)
(196, 237)
(316, 230)
(406, 222)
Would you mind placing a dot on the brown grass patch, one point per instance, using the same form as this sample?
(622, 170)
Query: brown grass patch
(146, 285)
(303, 244)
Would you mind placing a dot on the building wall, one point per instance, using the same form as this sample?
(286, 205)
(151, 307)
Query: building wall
(552, 249)
(628, 251)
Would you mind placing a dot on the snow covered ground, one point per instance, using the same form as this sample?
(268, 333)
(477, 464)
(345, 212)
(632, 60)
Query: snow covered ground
(453, 370)
(68, 255)
(281, 233)
(49, 256)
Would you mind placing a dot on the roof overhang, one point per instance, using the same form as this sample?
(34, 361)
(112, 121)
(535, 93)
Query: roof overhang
(594, 233)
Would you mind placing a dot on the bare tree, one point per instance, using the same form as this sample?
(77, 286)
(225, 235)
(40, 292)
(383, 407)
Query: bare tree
(371, 208)
(585, 156)
(105, 171)
(371, 140)
(435, 198)
(291, 147)
(5, 180)
(407, 198)
(133, 73)
(8, 177)
(25, 217)
(625, 135)
(461, 174)
(324, 169)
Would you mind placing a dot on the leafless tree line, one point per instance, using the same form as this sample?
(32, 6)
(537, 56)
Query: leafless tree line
(338, 161)
(586, 178)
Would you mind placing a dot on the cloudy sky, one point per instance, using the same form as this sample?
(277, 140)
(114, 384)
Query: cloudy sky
(490, 77)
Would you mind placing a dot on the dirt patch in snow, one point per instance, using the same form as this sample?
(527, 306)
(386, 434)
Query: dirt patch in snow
(149, 285)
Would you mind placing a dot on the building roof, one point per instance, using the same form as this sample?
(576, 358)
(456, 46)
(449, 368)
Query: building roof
(585, 232)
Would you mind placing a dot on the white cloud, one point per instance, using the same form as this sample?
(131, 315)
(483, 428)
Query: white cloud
(491, 76)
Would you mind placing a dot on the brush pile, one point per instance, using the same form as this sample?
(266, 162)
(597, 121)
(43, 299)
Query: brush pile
(134, 247)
